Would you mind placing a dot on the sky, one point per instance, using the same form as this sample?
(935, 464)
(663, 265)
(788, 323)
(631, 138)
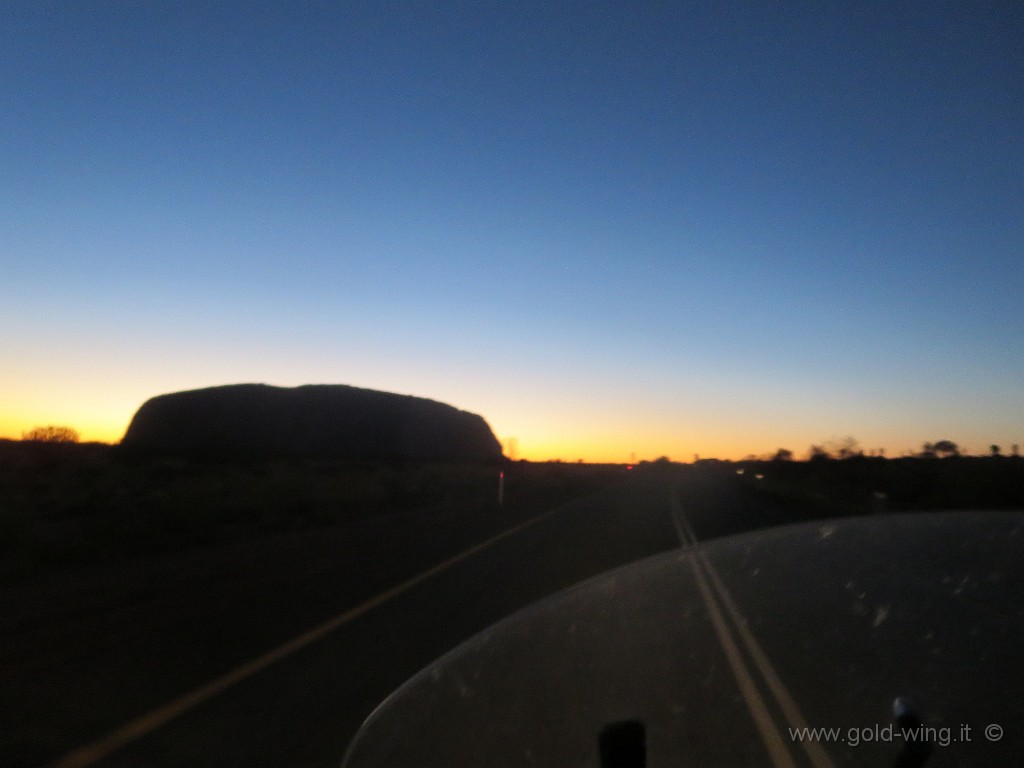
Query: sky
(615, 230)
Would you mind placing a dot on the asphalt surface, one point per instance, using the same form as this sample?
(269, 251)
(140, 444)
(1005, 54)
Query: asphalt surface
(213, 663)
(733, 652)
(80, 661)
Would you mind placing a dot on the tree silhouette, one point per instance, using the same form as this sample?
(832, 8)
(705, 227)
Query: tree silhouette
(946, 448)
(783, 454)
(995, 450)
(51, 434)
(818, 453)
(848, 448)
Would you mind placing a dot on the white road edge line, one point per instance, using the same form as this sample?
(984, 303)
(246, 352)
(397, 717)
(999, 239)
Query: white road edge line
(778, 749)
(154, 719)
(815, 752)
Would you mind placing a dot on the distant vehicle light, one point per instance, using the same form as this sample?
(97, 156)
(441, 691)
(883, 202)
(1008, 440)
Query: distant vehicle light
(759, 476)
(629, 466)
(740, 471)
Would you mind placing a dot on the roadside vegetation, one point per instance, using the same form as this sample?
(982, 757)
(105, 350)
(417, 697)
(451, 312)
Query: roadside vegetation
(848, 481)
(65, 502)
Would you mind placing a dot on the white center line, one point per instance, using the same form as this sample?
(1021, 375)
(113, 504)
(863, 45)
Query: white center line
(126, 734)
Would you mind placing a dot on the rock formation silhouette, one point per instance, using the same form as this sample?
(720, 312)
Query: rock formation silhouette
(247, 421)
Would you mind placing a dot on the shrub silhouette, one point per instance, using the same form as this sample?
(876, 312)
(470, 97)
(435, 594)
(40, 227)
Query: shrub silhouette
(51, 434)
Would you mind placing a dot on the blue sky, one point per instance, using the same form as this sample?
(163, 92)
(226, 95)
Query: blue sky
(609, 228)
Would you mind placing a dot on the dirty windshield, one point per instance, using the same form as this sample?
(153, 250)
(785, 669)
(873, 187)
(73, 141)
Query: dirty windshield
(561, 383)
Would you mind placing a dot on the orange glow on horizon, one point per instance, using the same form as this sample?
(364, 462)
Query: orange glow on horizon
(105, 416)
(12, 428)
(541, 449)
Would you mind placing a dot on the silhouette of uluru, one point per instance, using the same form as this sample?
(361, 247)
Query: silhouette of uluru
(318, 421)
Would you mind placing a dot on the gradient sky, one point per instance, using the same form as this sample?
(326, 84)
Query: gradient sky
(610, 228)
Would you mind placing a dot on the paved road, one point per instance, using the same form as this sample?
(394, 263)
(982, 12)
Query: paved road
(728, 653)
(275, 657)
(74, 669)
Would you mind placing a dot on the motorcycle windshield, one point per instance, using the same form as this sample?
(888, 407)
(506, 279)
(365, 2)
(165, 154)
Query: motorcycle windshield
(860, 641)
